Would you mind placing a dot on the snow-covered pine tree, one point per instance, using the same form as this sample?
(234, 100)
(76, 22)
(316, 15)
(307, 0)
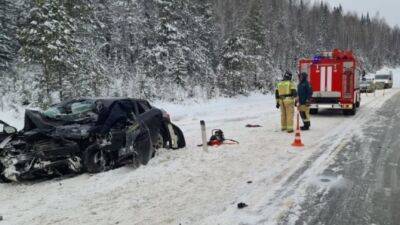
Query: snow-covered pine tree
(146, 66)
(324, 38)
(8, 49)
(47, 40)
(246, 62)
(8, 30)
(231, 80)
(92, 72)
(255, 48)
(202, 41)
(170, 48)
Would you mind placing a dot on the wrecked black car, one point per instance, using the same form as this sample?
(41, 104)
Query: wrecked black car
(85, 135)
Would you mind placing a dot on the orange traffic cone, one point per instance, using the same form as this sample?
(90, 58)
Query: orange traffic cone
(297, 140)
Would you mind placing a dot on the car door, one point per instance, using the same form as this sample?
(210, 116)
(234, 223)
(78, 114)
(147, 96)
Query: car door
(150, 116)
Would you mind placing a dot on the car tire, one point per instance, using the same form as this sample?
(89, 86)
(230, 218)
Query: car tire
(135, 162)
(159, 142)
(350, 112)
(181, 137)
(313, 111)
(95, 160)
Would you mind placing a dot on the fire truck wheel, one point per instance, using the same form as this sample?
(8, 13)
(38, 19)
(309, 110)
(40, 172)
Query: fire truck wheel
(313, 111)
(350, 112)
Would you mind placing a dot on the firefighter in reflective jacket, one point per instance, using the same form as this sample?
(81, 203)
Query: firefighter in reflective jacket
(305, 93)
(285, 95)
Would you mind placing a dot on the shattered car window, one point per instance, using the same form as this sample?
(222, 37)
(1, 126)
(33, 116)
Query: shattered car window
(70, 110)
(81, 107)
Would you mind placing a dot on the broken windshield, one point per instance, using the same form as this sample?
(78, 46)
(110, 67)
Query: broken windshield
(70, 110)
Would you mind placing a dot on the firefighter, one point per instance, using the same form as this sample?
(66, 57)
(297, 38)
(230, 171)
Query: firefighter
(285, 95)
(303, 100)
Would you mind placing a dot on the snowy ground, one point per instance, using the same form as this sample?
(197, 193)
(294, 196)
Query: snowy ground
(190, 186)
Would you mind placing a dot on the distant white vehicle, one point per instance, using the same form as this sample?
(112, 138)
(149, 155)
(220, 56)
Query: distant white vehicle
(383, 81)
(367, 85)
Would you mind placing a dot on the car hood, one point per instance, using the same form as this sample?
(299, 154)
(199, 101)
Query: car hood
(36, 120)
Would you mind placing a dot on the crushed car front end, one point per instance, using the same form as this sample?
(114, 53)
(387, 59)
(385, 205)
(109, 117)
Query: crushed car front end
(22, 159)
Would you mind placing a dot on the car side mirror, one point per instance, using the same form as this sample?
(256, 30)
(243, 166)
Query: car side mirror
(10, 130)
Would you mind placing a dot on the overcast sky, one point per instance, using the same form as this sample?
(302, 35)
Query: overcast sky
(388, 9)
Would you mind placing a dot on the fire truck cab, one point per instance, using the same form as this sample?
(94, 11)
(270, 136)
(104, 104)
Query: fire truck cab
(334, 80)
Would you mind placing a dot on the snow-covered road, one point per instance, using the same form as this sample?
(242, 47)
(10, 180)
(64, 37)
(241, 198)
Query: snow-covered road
(190, 186)
(360, 184)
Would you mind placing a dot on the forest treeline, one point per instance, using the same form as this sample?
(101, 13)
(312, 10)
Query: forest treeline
(53, 50)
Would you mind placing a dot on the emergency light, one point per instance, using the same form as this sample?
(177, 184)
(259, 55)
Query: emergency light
(316, 59)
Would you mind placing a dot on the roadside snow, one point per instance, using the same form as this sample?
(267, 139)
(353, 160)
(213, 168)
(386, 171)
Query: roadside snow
(190, 186)
(14, 117)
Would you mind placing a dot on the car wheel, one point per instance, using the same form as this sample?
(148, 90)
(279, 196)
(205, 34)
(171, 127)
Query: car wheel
(159, 142)
(135, 162)
(95, 160)
(313, 111)
(350, 112)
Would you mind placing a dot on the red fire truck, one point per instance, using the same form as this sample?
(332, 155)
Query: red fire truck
(334, 80)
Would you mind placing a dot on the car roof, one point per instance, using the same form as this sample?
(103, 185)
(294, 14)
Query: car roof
(107, 102)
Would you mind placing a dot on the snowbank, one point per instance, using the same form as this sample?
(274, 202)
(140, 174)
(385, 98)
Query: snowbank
(13, 116)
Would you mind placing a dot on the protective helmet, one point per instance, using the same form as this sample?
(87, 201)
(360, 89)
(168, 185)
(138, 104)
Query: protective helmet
(287, 76)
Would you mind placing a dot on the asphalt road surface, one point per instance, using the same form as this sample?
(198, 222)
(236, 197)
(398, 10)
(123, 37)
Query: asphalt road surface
(362, 185)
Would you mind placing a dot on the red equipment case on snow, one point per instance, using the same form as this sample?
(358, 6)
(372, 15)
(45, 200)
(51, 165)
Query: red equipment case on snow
(334, 80)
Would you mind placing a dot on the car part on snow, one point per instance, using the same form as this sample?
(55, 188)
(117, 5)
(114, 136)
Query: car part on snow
(218, 138)
(253, 125)
(242, 205)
